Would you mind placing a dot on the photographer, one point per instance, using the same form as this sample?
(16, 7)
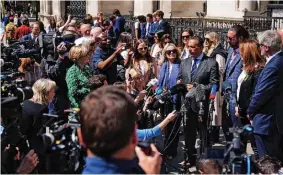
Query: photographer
(34, 33)
(108, 125)
(56, 70)
(32, 115)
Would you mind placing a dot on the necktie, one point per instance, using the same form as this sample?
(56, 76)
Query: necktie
(194, 69)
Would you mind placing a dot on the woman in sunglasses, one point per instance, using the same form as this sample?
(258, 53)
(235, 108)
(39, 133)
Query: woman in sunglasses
(185, 36)
(214, 49)
(142, 62)
(167, 79)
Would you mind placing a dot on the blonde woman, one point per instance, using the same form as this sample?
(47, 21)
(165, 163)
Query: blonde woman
(78, 75)
(214, 49)
(32, 119)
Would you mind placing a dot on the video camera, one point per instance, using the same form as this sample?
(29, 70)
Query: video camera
(61, 144)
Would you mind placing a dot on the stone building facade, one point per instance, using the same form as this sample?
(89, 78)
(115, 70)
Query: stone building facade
(213, 9)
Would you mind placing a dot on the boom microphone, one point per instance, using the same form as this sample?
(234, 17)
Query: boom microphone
(178, 88)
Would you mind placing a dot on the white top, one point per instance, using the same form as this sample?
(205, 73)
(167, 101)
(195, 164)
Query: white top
(170, 69)
(268, 59)
(124, 54)
(137, 25)
(240, 81)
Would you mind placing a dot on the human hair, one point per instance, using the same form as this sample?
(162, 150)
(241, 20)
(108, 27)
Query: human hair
(116, 12)
(270, 39)
(252, 59)
(137, 55)
(149, 15)
(78, 52)
(209, 166)
(268, 165)
(108, 117)
(159, 13)
(25, 21)
(199, 39)
(88, 19)
(121, 85)
(241, 32)
(41, 89)
(141, 18)
(97, 81)
(125, 37)
(41, 25)
(164, 55)
(214, 38)
(52, 25)
(26, 62)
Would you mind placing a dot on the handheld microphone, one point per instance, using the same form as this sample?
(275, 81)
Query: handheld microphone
(75, 110)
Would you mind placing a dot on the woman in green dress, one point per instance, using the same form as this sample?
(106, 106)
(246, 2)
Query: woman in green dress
(78, 75)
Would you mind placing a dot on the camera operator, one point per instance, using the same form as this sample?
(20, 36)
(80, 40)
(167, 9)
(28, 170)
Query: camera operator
(108, 125)
(200, 69)
(31, 69)
(56, 70)
(34, 33)
(32, 115)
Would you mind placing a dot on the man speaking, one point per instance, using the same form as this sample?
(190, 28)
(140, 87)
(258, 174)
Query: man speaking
(197, 69)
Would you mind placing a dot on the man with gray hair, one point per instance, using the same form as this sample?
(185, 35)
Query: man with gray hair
(85, 32)
(265, 110)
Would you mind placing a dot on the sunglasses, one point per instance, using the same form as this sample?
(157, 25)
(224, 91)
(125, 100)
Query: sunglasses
(230, 39)
(207, 39)
(186, 36)
(143, 48)
(168, 52)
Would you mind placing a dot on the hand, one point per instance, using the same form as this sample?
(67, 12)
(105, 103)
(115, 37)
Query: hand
(189, 86)
(148, 100)
(120, 48)
(130, 54)
(28, 164)
(179, 81)
(141, 95)
(237, 111)
(172, 115)
(150, 164)
(69, 17)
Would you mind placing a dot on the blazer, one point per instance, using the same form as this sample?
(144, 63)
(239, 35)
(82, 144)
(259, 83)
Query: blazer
(207, 72)
(164, 25)
(247, 90)
(266, 104)
(233, 71)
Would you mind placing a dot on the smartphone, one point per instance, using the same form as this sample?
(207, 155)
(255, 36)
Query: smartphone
(145, 147)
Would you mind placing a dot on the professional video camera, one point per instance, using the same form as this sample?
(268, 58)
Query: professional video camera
(234, 157)
(21, 49)
(13, 87)
(63, 151)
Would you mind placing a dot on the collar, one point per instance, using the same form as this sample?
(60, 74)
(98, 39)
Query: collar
(99, 165)
(199, 57)
(237, 50)
(269, 58)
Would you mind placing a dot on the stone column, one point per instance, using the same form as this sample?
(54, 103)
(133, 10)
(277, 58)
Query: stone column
(93, 7)
(143, 7)
(58, 8)
(166, 7)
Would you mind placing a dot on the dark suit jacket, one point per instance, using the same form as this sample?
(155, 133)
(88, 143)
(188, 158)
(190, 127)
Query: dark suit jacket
(164, 25)
(207, 72)
(247, 89)
(266, 105)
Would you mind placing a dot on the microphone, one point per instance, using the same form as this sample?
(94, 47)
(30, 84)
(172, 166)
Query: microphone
(178, 88)
(200, 93)
(75, 110)
(151, 83)
(226, 87)
(213, 91)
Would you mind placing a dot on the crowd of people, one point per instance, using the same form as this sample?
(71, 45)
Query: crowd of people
(106, 74)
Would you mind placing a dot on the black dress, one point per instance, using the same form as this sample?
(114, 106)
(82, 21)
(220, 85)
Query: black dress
(30, 124)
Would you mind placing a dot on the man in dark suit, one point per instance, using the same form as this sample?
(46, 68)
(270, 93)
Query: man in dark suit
(34, 33)
(119, 22)
(163, 25)
(233, 69)
(265, 110)
(198, 69)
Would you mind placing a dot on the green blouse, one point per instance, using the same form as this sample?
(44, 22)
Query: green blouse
(78, 83)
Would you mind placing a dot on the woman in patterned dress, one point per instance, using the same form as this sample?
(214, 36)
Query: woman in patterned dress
(78, 75)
